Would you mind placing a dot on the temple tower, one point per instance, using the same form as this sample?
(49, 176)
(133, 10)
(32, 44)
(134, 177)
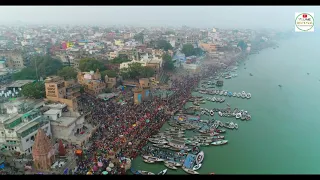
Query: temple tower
(42, 151)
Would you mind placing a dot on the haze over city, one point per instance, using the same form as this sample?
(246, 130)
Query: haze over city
(197, 16)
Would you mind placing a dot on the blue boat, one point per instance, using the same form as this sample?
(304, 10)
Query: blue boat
(133, 171)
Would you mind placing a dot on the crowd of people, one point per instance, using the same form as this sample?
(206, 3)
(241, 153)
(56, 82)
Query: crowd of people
(123, 128)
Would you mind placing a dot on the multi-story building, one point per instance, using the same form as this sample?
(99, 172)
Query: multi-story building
(92, 82)
(14, 59)
(59, 90)
(18, 127)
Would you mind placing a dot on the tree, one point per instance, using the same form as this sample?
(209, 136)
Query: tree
(168, 63)
(27, 73)
(188, 49)
(163, 44)
(118, 60)
(139, 37)
(110, 73)
(89, 64)
(45, 65)
(136, 71)
(34, 90)
(40, 66)
(147, 72)
(67, 73)
(242, 45)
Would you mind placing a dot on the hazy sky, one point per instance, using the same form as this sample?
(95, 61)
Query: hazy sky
(201, 16)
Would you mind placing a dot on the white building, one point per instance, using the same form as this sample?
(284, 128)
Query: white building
(17, 131)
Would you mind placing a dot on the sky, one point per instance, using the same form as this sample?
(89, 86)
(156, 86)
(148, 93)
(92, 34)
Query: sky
(252, 17)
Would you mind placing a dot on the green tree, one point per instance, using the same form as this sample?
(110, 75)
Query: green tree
(242, 45)
(67, 73)
(27, 73)
(136, 71)
(188, 49)
(89, 64)
(139, 37)
(168, 63)
(118, 60)
(147, 72)
(40, 66)
(163, 44)
(34, 90)
(110, 73)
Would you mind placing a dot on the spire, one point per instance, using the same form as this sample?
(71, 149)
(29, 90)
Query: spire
(42, 144)
(62, 150)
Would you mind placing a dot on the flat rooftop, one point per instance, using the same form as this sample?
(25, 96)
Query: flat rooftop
(33, 123)
(19, 83)
(52, 111)
(56, 105)
(64, 121)
(4, 117)
(13, 118)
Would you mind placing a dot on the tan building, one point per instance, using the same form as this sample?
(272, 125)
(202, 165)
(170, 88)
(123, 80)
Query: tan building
(59, 90)
(142, 92)
(14, 59)
(110, 81)
(209, 47)
(92, 82)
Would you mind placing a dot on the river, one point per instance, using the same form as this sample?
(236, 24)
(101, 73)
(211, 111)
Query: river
(282, 136)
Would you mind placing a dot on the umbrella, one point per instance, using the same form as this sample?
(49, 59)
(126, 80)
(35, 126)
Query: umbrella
(129, 143)
(95, 168)
(134, 125)
(108, 169)
(104, 172)
(89, 173)
(111, 165)
(147, 120)
(100, 164)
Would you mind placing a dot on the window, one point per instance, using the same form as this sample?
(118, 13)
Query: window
(2, 132)
(27, 140)
(32, 138)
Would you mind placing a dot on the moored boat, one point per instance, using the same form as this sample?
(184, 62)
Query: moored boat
(149, 161)
(190, 171)
(163, 172)
(170, 166)
(145, 172)
(197, 167)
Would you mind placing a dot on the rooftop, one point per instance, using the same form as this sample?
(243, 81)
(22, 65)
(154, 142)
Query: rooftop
(64, 121)
(13, 118)
(56, 105)
(29, 125)
(19, 83)
(52, 112)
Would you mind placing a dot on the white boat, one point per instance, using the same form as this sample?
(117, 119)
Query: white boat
(239, 95)
(203, 112)
(190, 171)
(234, 94)
(173, 163)
(221, 93)
(248, 117)
(243, 96)
(238, 115)
(225, 93)
(243, 92)
(145, 172)
(236, 126)
(197, 167)
(163, 172)
(211, 113)
(155, 159)
(199, 157)
(221, 142)
(148, 161)
(146, 157)
(170, 166)
(248, 95)
(220, 113)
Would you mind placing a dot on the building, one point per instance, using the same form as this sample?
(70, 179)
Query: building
(18, 127)
(194, 68)
(209, 47)
(14, 59)
(126, 64)
(43, 152)
(59, 90)
(110, 81)
(142, 92)
(92, 82)
(69, 126)
(113, 54)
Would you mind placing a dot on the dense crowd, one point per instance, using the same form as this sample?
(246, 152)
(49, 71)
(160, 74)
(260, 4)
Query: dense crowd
(123, 128)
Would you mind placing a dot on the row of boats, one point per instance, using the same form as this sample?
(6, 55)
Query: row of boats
(238, 114)
(242, 94)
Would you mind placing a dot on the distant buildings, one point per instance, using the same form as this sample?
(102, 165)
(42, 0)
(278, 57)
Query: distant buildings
(92, 82)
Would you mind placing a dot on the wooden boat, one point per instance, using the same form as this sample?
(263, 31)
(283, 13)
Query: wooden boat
(135, 172)
(189, 171)
(163, 172)
(146, 157)
(218, 143)
(204, 144)
(149, 161)
(145, 172)
(170, 166)
(197, 167)
(173, 163)
(155, 159)
(220, 131)
(200, 157)
(161, 145)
